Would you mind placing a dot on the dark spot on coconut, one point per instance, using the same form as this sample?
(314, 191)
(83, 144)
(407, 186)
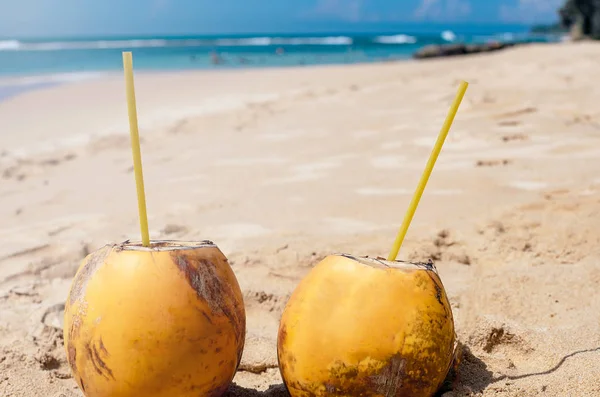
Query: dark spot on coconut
(429, 265)
(93, 262)
(391, 380)
(73, 335)
(82, 384)
(207, 317)
(203, 277)
(72, 357)
(102, 363)
(98, 362)
(75, 327)
(218, 391)
(388, 381)
(281, 337)
(90, 357)
(307, 389)
(218, 350)
(329, 388)
(282, 366)
(103, 348)
(438, 294)
(383, 263)
(221, 362)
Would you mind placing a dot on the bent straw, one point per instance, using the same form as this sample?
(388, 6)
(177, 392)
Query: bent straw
(135, 146)
(428, 168)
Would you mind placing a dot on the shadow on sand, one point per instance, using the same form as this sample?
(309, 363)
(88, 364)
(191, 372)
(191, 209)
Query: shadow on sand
(471, 376)
(278, 390)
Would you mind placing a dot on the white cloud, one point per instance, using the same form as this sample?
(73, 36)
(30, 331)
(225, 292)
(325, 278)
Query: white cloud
(347, 10)
(442, 10)
(528, 11)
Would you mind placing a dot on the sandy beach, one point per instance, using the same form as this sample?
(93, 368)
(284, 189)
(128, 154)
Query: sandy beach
(280, 167)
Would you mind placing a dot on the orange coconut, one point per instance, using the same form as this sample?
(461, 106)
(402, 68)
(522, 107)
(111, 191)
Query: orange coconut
(366, 327)
(162, 321)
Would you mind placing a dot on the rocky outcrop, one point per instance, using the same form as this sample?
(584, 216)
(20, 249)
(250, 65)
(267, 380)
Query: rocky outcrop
(582, 17)
(446, 50)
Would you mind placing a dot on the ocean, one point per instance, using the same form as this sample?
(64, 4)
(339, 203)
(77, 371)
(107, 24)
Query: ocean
(30, 63)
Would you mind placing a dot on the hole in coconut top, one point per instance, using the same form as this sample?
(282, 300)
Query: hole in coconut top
(382, 263)
(164, 245)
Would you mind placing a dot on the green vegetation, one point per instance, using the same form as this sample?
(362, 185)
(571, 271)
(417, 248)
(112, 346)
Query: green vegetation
(582, 18)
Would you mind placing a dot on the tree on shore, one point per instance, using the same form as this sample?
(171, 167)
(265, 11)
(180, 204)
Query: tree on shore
(582, 17)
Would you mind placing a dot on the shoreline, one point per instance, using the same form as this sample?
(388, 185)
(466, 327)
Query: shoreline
(162, 116)
(11, 85)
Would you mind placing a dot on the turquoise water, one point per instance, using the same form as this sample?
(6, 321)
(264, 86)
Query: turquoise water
(31, 63)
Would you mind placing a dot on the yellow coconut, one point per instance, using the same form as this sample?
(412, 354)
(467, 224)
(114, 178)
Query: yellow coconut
(366, 327)
(162, 321)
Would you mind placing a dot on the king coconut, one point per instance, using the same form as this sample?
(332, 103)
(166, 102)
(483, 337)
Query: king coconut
(357, 326)
(159, 321)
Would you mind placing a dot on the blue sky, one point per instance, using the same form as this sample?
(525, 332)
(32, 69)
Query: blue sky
(38, 18)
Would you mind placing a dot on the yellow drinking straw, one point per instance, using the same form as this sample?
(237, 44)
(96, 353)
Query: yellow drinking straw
(135, 146)
(428, 168)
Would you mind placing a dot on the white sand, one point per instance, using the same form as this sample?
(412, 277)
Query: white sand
(281, 167)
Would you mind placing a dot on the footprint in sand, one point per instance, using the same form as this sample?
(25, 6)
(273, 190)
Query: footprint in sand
(52, 161)
(509, 123)
(492, 163)
(172, 228)
(517, 112)
(515, 137)
(111, 142)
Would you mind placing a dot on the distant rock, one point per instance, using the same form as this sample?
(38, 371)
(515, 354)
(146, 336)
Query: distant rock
(446, 50)
(582, 18)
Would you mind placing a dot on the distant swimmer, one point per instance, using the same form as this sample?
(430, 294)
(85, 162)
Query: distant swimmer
(280, 51)
(215, 58)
